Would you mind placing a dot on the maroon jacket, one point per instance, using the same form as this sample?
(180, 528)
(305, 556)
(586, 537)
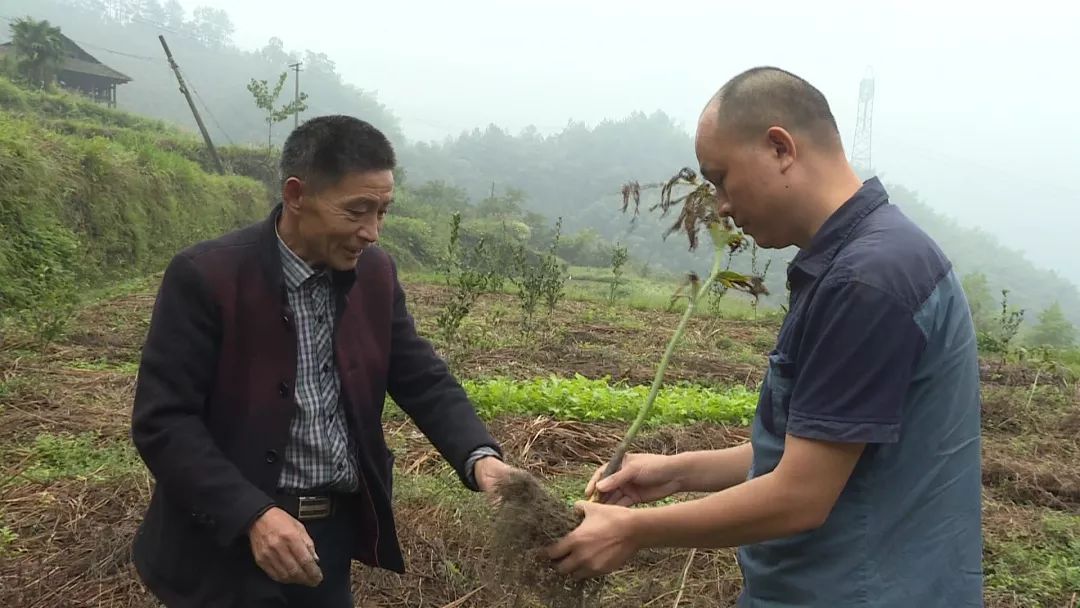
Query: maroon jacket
(214, 400)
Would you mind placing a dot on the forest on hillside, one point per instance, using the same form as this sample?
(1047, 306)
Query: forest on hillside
(123, 34)
(574, 175)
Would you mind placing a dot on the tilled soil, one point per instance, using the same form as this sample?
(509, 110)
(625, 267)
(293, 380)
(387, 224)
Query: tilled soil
(66, 541)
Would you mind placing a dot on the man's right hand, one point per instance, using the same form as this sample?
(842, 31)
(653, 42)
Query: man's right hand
(283, 549)
(642, 478)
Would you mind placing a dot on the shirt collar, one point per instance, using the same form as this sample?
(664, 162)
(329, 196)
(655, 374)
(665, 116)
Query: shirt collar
(834, 233)
(295, 270)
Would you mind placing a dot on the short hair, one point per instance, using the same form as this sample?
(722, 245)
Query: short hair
(324, 149)
(767, 96)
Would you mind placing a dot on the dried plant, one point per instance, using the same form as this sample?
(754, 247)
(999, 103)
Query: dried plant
(631, 190)
(700, 207)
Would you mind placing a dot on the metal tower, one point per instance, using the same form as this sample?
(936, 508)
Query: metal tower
(860, 147)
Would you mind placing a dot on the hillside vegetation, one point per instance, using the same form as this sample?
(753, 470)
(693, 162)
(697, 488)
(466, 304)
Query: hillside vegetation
(577, 173)
(82, 208)
(574, 174)
(124, 35)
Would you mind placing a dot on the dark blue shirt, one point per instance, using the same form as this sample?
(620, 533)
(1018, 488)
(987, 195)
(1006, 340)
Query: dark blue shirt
(878, 346)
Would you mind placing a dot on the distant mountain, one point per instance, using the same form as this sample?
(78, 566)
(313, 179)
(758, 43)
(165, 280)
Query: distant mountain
(577, 174)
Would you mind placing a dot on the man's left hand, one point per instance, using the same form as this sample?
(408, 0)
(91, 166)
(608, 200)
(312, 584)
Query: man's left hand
(603, 543)
(488, 472)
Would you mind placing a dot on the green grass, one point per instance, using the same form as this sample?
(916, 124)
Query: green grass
(1070, 360)
(1040, 567)
(7, 538)
(79, 210)
(637, 294)
(106, 365)
(83, 456)
(585, 399)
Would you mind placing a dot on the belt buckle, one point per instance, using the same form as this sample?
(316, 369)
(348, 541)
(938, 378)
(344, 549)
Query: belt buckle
(313, 507)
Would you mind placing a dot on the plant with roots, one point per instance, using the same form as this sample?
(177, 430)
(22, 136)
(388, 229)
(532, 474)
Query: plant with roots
(699, 209)
(528, 517)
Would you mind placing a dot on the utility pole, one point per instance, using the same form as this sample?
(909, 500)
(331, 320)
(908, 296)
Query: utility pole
(296, 98)
(191, 104)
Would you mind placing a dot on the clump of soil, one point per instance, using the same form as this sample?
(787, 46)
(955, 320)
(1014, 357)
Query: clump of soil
(1025, 482)
(528, 518)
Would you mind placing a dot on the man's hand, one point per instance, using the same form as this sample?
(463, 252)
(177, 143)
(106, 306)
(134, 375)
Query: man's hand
(642, 478)
(489, 471)
(601, 544)
(283, 549)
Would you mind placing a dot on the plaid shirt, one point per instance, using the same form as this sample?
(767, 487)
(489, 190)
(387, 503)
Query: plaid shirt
(319, 454)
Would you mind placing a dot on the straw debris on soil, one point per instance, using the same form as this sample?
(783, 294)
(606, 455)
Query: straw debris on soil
(545, 446)
(65, 538)
(1025, 482)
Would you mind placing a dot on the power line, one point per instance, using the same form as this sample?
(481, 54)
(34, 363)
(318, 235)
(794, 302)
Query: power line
(101, 48)
(207, 108)
(165, 28)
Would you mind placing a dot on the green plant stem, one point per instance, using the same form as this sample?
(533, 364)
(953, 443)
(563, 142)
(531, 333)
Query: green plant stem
(620, 452)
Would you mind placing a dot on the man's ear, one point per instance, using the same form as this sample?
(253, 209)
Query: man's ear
(783, 147)
(292, 193)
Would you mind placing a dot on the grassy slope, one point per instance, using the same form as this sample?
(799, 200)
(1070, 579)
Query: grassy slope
(87, 195)
(72, 486)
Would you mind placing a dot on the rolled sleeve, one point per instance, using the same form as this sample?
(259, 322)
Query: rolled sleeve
(856, 361)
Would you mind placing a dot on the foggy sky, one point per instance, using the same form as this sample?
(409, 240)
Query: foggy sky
(977, 105)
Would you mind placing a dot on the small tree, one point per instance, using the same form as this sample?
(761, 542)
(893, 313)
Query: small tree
(999, 339)
(38, 50)
(1053, 329)
(553, 271)
(265, 99)
(461, 273)
(619, 256)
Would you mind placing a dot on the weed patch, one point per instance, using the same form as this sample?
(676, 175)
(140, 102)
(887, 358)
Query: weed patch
(1036, 564)
(83, 456)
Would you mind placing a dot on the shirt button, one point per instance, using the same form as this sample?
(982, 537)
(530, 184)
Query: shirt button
(341, 466)
(283, 389)
(271, 456)
(326, 368)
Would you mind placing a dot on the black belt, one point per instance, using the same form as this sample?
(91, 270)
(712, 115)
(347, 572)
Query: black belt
(305, 507)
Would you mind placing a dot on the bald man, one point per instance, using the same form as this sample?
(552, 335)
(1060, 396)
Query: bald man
(860, 485)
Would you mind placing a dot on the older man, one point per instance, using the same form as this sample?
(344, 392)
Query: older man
(860, 485)
(261, 388)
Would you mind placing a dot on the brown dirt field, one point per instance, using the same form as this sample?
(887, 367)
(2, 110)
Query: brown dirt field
(1047, 484)
(73, 534)
(1018, 374)
(623, 345)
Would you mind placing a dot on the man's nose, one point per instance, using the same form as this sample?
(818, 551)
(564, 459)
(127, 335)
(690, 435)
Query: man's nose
(369, 231)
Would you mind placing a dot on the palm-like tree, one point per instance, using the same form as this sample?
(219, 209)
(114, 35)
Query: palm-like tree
(38, 50)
